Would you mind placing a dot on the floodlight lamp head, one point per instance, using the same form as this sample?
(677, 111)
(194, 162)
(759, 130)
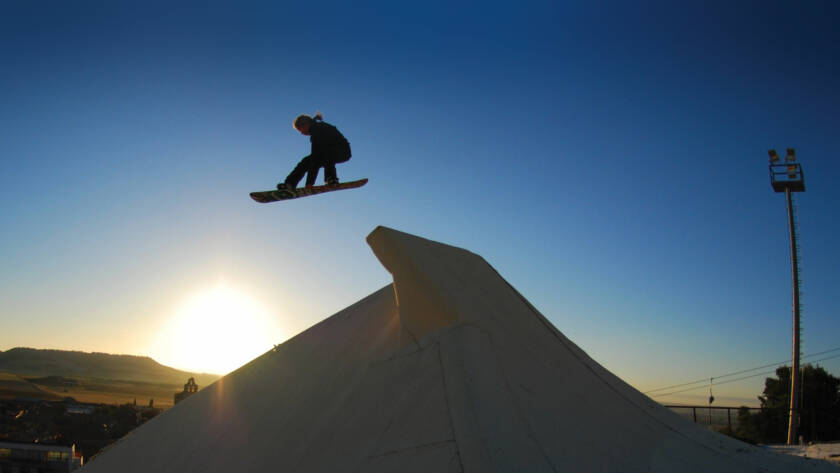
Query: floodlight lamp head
(774, 156)
(791, 155)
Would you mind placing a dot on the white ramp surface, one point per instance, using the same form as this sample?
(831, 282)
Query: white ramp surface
(449, 369)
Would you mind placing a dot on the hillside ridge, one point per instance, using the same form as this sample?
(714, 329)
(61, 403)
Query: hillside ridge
(37, 362)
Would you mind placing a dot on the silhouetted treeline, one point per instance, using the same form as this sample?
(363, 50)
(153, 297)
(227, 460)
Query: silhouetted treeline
(819, 416)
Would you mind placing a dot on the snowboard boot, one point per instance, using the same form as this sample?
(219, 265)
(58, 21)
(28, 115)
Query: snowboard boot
(286, 188)
(332, 182)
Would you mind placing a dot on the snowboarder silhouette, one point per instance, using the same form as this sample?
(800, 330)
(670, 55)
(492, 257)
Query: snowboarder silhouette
(329, 147)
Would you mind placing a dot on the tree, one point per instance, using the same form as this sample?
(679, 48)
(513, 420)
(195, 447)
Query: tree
(819, 416)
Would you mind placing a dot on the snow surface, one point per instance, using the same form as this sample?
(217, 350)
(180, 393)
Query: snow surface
(449, 369)
(823, 451)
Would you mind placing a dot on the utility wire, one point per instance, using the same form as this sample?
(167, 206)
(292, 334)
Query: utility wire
(702, 387)
(734, 380)
(705, 380)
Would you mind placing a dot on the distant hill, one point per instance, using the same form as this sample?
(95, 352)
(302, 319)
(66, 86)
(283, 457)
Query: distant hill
(30, 362)
(13, 386)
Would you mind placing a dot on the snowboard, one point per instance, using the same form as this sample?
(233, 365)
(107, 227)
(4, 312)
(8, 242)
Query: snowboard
(265, 197)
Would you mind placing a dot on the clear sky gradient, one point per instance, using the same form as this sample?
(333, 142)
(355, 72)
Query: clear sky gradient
(608, 158)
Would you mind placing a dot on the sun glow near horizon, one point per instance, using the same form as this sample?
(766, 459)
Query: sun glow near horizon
(216, 330)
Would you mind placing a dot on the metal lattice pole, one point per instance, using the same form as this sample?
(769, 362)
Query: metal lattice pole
(793, 422)
(787, 177)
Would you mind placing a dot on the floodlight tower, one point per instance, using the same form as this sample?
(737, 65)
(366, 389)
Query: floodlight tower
(787, 177)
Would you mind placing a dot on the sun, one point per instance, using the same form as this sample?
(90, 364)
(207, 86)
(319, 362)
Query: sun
(216, 330)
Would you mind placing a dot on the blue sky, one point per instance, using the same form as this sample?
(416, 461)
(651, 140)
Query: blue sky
(609, 159)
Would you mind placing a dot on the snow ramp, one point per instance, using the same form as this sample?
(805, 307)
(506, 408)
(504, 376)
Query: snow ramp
(448, 369)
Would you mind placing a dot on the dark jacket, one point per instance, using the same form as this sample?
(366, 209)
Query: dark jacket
(327, 140)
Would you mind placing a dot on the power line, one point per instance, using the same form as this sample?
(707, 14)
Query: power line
(703, 387)
(740, 379)
(706, 380)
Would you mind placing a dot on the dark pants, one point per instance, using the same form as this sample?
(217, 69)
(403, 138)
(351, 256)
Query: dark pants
(310, 165)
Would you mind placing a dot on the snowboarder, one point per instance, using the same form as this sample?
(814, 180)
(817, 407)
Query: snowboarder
(329, 147)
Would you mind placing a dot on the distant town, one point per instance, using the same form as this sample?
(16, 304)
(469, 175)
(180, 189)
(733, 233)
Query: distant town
(52, 419)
